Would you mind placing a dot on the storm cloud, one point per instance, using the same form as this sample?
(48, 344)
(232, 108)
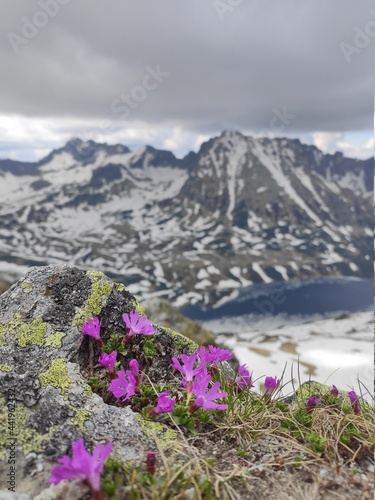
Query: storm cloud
(194, 66)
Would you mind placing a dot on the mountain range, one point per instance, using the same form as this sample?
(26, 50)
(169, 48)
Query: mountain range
(242, 210)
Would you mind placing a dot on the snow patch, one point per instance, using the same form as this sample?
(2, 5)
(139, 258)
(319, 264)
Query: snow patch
(256, 267)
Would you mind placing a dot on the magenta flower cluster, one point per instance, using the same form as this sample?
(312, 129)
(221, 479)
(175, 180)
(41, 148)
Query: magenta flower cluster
(270, 384)
(196, 378)
(197, 370)
(123, 385)
(127, 383)
(164, 404)
(135, 324)
(187, 369)
(108, 360)
(243, 381)
(83, 466)
(92, 328)
(205, 396)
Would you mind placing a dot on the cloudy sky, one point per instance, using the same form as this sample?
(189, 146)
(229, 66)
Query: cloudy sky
(173, 73)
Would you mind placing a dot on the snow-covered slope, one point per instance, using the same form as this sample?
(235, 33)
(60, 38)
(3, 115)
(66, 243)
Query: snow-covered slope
(240, 211)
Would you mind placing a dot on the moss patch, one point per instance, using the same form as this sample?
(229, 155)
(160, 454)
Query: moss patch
(184, 341)
(56, 375)
(5, 368)
(55, 340)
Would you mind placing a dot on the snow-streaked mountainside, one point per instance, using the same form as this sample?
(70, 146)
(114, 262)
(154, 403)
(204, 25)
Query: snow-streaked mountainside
(193, 230)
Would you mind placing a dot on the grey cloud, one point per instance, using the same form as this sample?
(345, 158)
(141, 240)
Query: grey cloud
(227, 73)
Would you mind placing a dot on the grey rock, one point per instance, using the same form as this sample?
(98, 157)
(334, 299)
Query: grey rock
(44, 367)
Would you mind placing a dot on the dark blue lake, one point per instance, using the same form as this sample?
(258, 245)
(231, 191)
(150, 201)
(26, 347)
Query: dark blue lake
(322, 296)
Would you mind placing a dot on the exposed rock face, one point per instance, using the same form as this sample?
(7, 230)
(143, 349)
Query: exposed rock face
(44, 358)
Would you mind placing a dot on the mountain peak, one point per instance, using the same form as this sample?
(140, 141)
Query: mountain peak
(150, 156)
(230, 134)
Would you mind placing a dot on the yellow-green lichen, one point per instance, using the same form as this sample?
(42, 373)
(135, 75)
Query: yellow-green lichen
(56, 375)
(97, 275)
(137, 306)
(26, 285)
(80, 417)
(54, 340)
(28, 438)
(5, 368)
(87, 393)
(312, 387)
(93, 305)
(26, 333)
(120, 287)
(167, 437)
(179, 337)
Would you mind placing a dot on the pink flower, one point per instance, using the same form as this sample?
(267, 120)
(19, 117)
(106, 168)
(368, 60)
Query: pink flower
(354, 401)
(123, 385)
(204, 398)
(92, 328)
(334, 391)
(151, 462)
(82, 466)
(164, 404)
(108, 360)
(218, 355)
(137, 325)
(187, 369)
(244, 379)
(353, 397)
(134, 367)
(204, 356)
(271, 383)
(311, 403)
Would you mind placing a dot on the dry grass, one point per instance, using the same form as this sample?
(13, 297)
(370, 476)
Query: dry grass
(262, 448)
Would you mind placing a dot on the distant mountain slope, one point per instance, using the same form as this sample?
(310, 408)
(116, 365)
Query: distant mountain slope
(240, 211)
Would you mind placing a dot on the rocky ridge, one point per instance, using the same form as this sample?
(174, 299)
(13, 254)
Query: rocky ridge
(194, 230)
